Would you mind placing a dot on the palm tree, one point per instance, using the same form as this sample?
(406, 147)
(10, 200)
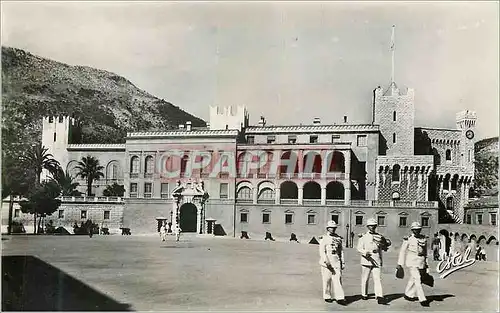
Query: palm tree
(90, 170)
(37, 159)
(66, 183)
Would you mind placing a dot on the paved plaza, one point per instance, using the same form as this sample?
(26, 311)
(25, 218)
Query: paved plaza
(143, 273)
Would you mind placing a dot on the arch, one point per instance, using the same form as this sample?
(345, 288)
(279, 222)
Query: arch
(448, 155)
(188, 217)
(134, 164)
(473, 237)
(444, 232)
(313, 166)
(244, 192)
(289, 190)
(395, 172)
(312, 190)
(446, 182)
(286, 163)
(149, 164)
(336, 162)
(266, 193)
(265, 185)
(464, 237)
(335, 190)
(244, 183)
(481, 240)
(113, 170)
(244, 159)
(492, 240)
(454, 182)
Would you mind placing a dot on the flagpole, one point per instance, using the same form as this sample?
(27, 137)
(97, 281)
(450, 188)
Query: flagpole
(392, 49)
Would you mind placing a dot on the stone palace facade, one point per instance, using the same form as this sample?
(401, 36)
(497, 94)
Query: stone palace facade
(232, 176)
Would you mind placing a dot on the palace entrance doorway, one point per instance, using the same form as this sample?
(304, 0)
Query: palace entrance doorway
(188, 218)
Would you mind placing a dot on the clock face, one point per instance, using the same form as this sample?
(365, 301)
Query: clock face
(469, 134)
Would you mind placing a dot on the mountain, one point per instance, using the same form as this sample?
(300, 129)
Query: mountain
(107, 105)
(486, 176)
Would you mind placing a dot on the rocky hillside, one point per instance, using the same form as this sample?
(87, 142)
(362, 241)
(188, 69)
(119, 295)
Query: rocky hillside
(486, 177)
(107, 105)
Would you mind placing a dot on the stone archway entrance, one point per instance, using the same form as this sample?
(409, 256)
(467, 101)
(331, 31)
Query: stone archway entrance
(188, 217)
(189, 206)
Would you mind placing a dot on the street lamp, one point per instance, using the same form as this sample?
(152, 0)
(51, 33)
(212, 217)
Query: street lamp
(347, 236)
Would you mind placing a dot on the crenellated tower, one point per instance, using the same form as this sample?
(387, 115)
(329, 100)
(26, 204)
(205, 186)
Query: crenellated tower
(56, 135)
(228, 118)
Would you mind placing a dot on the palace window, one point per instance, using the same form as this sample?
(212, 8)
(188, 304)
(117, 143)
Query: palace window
(251, 140)
(479, 219)
(148, 190)
(164, 190)
(395, 173)
(149, 165)
(271, 139)
(224, 190)
(361, 140)
(335, 218)
(292, 139)
(381, 220)
(403, 221)
(133, 190)
(359, 219)
(83, 214)
(335, 138)
(468, 219)
(61, 214)
(243, 217)
(106, 215)
(425, 221)
(493, 219)
(266, 217)
(394, 138)
(313, 139)
(288, 218)
(448, 155)
(134, 165)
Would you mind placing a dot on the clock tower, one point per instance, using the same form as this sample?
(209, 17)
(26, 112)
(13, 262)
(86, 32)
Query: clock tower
(466, 123)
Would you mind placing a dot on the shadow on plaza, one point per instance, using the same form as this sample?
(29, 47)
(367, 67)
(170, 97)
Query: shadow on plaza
(394, 296)
(30, 284)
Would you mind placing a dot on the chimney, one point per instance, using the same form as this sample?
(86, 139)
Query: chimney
(345, 119)
(181, 127)
(316, 121)
(208, 125)
(188, 125)
(262, 121)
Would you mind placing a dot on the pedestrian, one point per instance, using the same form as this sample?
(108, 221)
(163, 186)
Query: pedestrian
(413, 254)
(482, 253)
(453, 246)
(163, 232)
(436, 246)
(332, 263)
(177, 232)
(371, 245)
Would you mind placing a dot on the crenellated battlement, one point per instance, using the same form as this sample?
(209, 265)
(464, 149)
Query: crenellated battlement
(228, 117)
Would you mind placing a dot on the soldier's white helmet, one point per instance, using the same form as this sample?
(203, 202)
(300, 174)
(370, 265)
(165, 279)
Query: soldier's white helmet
(416, 225)
(331, 224)
(371, 222)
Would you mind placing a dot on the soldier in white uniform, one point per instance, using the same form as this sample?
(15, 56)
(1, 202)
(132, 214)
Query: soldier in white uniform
(332, 263)
(413, 254)
(163, 232)
(370, 245)
(177, 232)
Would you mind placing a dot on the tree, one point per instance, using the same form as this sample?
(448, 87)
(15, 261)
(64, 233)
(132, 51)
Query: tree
(38, 159)
(90, 170)
(66, 183)
(42, 201)
(486, 175)
(114, 190)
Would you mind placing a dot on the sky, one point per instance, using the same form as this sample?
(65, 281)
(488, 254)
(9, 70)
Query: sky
(288, 61)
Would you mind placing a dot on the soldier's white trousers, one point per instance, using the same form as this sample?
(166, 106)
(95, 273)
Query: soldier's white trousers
(377, 283)
(414, 285)
(163, 236)
(332, 285)
(177, 236)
